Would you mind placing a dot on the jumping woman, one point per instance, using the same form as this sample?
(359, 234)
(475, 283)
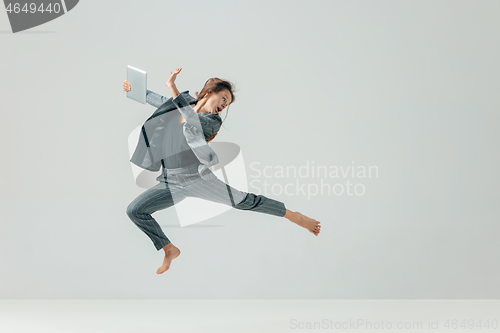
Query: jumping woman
(176, 138)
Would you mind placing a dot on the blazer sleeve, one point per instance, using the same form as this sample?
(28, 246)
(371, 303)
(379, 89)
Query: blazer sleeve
(155, 99)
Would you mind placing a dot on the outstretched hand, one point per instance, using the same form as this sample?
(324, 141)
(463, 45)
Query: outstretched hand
(173, 76)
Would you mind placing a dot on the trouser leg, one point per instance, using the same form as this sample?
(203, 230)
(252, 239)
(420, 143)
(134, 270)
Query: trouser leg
(218, 191)
(140, 209)
(262, 204)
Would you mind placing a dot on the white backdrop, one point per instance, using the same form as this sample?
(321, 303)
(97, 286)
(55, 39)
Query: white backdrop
(409, 88)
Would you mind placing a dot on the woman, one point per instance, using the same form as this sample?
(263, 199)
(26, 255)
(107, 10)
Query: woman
(176, 137)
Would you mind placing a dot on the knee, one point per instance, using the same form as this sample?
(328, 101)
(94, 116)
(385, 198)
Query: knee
(250, 202)
(132, 211)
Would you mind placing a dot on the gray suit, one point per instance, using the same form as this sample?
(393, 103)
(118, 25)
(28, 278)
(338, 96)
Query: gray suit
(155, 146)
(160, 145)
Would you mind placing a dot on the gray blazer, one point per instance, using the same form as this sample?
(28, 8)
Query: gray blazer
(150, 152)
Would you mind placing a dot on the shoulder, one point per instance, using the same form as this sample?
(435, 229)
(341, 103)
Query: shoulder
(213, 119)
(211, 123)
(190, 99)
(184, 99)
(209, 118)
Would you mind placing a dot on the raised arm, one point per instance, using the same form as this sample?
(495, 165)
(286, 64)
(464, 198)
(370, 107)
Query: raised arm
(208, 124)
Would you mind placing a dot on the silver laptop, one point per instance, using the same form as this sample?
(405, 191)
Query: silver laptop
(138, 84)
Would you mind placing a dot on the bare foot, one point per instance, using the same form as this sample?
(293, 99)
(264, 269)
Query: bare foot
(171, 252)
(305, 222)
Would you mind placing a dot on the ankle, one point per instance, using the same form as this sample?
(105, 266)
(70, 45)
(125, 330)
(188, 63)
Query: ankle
(290, 215)
(168, 247)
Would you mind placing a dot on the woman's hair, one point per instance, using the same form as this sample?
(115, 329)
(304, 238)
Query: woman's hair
(215, 85)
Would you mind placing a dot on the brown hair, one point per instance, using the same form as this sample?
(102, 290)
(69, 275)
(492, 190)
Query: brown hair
(215, 85)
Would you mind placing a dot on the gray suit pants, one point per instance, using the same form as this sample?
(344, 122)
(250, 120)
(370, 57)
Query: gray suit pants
(186, 182)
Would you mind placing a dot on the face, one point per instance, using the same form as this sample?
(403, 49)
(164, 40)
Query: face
(218, 101)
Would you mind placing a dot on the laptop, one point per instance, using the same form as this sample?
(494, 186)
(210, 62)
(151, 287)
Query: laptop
(138, 84)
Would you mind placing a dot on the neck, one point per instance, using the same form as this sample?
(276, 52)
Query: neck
(199, 111)
(195, 108)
